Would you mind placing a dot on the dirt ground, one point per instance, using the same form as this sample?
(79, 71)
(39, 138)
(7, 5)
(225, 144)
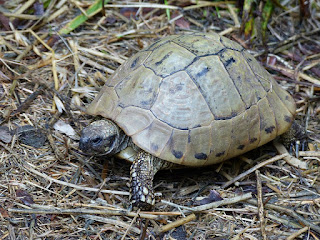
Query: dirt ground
(54, 58)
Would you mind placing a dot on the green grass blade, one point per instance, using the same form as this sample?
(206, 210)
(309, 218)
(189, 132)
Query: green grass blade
(77, 21)
(266, 14)
(167, 10)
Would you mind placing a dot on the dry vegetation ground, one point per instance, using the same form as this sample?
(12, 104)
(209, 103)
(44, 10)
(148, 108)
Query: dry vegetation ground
(48, 190)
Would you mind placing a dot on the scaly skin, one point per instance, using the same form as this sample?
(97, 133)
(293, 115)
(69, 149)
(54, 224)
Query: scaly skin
(96, 140)
(142, 172)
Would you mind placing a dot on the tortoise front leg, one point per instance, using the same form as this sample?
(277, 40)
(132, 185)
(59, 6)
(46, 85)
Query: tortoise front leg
(142, 172)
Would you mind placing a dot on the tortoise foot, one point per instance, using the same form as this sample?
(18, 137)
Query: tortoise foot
(141, 179)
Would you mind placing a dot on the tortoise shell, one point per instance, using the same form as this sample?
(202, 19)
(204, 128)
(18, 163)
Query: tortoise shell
(195, 100)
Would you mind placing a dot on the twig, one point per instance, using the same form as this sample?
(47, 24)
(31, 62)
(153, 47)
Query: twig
(213, 204)
(54, 210)
(260, 206)
(289, 212)
(29, 167)
(176, 223)
(309, 153)
(289, 159)
(269, 161)
(296, 234)
(130, 226)
(112, 222)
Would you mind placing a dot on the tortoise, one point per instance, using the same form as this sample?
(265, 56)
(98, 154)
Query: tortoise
(186, 100)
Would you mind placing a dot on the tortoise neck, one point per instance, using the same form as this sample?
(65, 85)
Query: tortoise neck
(124, 141)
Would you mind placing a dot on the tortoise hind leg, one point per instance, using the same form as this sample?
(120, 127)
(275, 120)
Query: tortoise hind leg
(296, 133)
(142, 172)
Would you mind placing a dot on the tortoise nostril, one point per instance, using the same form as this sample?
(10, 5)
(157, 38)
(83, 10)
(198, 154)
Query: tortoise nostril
(83, 144)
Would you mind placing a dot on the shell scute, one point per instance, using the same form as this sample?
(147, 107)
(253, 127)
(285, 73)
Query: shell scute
(243, 79)
(176, 147)
(222, 97)
(130, 65)
(231, 44)
(134, 119)
(154, 137)
(168, 59)
(198, 46)
(198, 154)
(143, 83)
(175, 103)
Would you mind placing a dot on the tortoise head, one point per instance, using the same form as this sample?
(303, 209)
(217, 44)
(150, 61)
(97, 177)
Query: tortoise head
(99, 138)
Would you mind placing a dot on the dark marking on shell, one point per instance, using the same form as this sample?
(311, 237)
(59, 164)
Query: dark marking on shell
(154, 147)
(252, 140)
(287, 97)
(220, 154)
(146, 103)
(164, 58)
(196, 126)
(189, 138)
(134, 63)
(230, 61)
(201, 156)
(288, 119)
(177, 154)
(240, 147)
(202, 72)
(270, 129)
(233, 114)
(176, 88)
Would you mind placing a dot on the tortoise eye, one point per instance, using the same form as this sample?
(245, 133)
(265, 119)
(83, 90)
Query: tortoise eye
(96, 140)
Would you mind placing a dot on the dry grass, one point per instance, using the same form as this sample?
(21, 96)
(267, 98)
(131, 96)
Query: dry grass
(54, 192)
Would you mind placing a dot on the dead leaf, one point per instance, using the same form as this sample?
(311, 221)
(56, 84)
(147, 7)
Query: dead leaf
(25, 197)
(181, 22)
(5, 134)
(65, 128)
(4, 213)
(213, 197)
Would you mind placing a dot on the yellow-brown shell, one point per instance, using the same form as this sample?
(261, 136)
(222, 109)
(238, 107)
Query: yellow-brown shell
(195, 100)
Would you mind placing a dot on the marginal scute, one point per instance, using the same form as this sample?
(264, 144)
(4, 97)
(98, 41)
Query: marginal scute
(253, 120)
(198, 46)
(198, 152)
(105, 104)
(176, 147)
(231, 44)
(180, 104)
(221, 140)
(280, 111)
(267, 119)
(129, 66)
(134, 119)
(286, 99)
(239, 135)
(161, 42)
